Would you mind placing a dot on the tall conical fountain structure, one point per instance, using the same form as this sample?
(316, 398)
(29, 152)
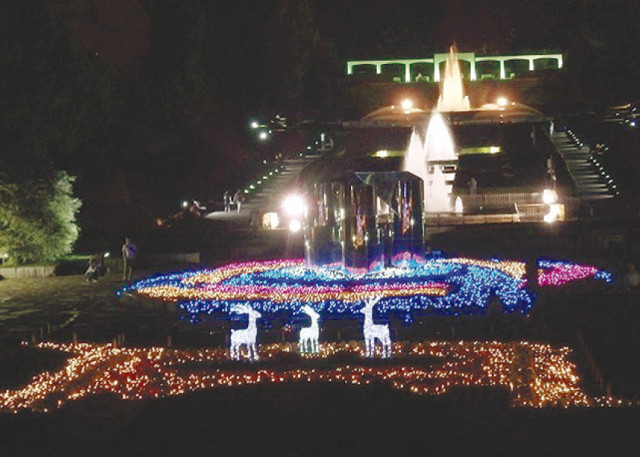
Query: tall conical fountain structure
(434, 159)
(452, 97)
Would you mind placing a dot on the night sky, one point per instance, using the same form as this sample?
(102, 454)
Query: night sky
(250, 47)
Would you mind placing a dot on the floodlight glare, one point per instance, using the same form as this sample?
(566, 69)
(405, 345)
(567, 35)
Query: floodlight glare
(295, 226)
(294, 205)
(502, 101)
(406, 104)
(549, 196)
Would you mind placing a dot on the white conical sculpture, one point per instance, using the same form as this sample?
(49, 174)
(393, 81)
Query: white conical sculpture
(373, 332)
(245, 336)
(308, 341)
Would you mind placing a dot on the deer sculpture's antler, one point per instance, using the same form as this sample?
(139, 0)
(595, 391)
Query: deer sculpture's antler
(239, 308)
(373, 300)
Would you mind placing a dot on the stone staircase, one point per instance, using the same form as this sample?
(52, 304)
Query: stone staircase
(269, 194)
(272, 192)
(590, 178)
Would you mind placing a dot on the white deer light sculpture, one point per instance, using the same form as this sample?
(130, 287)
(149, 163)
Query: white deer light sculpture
(309, 336)
(245, 336)
(373, 332)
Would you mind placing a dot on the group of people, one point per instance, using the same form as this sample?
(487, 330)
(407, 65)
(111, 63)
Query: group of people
(96, 267)
(237, 199)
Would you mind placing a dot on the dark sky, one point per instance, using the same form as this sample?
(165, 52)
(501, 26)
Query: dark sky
(121, 30)
(262, 52)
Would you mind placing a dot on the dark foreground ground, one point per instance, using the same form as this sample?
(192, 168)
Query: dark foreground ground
(320, 420)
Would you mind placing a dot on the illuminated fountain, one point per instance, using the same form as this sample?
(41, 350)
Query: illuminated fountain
(452, 97)
(365, 246)
(434, 160)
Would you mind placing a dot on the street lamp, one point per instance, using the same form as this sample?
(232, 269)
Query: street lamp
(406, 104)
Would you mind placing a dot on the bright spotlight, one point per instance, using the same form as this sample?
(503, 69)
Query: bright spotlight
(556, 213)
(549, 196)
(294, 205)
(254, 124)
(295, 226)
(407, 104)
(502, 101)
(263, 135)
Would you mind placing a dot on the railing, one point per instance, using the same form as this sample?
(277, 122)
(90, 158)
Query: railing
(499, 208)
(505, 199)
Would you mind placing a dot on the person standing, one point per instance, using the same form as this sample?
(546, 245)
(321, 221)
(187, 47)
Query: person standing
(226, 200)
(238, 198)
(129, 253)
(473, 186)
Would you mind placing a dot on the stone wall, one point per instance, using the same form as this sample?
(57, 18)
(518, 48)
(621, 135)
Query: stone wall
(27, 272)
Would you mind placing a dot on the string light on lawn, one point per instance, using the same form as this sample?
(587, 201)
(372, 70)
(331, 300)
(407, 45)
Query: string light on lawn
(426, 368)
(443, 286)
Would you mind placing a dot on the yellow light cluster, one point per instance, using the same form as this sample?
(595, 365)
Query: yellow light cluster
(220, 274)
(243, 293)
(515, 269)
(544, 376)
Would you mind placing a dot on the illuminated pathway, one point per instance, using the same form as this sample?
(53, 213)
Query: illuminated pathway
(536, 375)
